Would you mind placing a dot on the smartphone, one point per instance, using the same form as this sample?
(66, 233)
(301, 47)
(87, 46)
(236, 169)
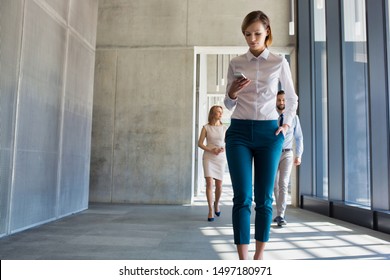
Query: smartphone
(239, 75)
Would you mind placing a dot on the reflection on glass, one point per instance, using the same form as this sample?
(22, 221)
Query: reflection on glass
(321, 99)
(356, 145)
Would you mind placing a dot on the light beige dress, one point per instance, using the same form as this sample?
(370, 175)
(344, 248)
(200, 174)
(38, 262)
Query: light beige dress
(214, 165)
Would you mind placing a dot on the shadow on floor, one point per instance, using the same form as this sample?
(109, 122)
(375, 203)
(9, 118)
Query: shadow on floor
(181, 232)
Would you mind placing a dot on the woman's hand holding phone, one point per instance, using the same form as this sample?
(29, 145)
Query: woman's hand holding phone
(239, 83)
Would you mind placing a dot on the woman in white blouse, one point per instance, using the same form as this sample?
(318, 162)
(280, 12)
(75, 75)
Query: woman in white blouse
(254, 135)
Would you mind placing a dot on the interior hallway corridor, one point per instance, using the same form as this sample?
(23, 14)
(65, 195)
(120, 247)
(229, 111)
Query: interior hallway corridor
(168, 232)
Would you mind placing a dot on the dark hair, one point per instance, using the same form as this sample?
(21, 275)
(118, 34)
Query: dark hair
(280, 92)
(263, 18)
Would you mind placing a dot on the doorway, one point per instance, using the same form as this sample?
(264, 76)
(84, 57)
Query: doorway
(211, 65)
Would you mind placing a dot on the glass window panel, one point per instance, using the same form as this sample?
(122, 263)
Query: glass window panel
(388, 45)
(356, 144)
(320, 99)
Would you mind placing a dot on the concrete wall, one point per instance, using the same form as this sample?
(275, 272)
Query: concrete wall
(143, 136)
(47, 54)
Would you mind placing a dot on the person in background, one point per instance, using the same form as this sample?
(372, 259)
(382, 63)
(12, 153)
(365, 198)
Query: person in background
(254, 136)
(286, 160)
(214, 158)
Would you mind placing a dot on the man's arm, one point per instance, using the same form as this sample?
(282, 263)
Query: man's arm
(298, 135)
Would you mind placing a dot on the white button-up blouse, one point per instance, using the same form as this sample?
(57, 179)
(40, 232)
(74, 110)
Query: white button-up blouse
(257, 101)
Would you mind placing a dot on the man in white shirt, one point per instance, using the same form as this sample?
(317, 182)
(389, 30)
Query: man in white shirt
(287, 160)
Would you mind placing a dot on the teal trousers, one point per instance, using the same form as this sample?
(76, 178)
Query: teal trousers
(252, 144)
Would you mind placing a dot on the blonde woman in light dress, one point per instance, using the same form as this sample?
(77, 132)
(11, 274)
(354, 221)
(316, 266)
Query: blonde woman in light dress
(214, 158)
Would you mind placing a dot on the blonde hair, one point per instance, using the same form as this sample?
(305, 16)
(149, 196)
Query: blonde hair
(212, 113)
(263, 18)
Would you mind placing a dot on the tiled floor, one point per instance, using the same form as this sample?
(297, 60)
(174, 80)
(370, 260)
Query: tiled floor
(150, 232)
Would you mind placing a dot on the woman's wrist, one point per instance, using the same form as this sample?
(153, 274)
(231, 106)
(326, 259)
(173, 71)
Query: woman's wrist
(232, 96)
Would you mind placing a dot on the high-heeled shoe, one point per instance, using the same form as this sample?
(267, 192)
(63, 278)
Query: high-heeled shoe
(210, 219)
(217, 213)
